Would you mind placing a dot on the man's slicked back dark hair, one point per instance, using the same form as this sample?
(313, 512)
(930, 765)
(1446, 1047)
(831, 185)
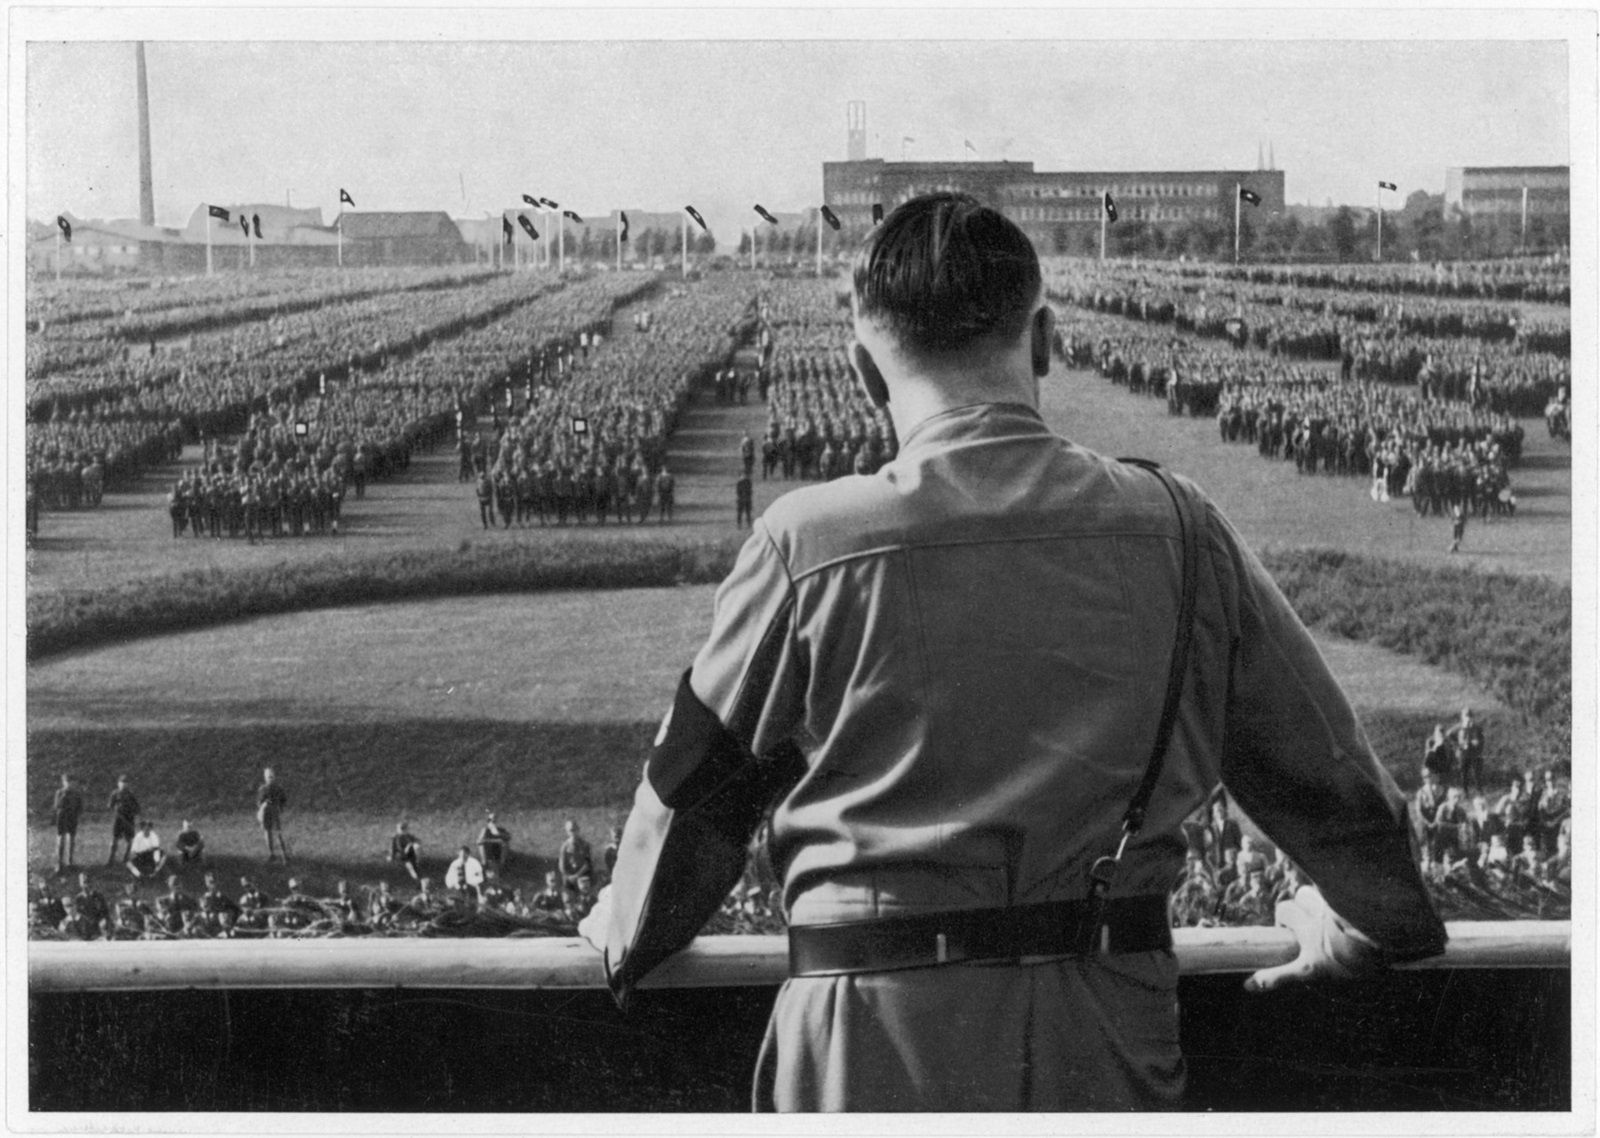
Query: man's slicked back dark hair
(944, 271)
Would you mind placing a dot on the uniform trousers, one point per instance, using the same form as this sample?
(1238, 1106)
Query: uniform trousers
(1059, 1034)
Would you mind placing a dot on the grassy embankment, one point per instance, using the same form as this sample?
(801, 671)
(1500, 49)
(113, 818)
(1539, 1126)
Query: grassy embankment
(353, 779)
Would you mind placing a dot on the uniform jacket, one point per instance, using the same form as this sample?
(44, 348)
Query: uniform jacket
(968, 653)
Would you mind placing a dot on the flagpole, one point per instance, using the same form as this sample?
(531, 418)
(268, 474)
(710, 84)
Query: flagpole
(619, 240)
(1103, 216)
(561, 242)
(685, 230)
(1380, 221)
(1236, 200)
(250, 241)
(58, 253)
(754, 233)
(339, 225)
(819, 244)
(208, 241)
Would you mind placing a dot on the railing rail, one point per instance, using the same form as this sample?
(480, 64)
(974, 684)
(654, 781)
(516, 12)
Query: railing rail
(555, 962)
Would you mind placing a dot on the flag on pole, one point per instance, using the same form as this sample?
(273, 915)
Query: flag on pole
(765, 216)
(1111, 207)
(505, 225)
(573, 215)
(255, 220)
(829, 216)
(877, 213)
(244, 224)
(698, 220)
(968, 144)
(1249, 196)
(622, 214)
(344, 197)
(551, 204)
(1387, 186)
(531, 200)
(66, 228)
(218, 212)
(522, 220)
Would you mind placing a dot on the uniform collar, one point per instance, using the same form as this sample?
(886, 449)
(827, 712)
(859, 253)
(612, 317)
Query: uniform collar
(974, 421)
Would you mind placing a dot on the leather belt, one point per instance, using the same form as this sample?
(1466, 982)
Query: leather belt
(925, 940)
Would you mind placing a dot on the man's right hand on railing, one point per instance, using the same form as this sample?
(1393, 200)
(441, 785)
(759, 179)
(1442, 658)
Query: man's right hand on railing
(1330, 949)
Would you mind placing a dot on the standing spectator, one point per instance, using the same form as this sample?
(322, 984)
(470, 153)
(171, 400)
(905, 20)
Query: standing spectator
(609, 854)
(1438, 755)
(405, 849)
(494, 843)
(189, 844)
(270, 801)
(1221, 836)
(576, 859)
(465, 874)
(1458, 526)
(146, 856)
(67, 807)
(1469, 750)
(665, 491)
(124, 809)
(743, 502)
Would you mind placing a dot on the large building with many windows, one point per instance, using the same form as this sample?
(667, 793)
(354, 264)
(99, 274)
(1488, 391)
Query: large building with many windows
(1503, 191)
(1059, 210)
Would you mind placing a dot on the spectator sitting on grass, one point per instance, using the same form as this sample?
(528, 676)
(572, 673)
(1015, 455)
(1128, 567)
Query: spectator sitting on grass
(580, 899)
(383, 906)
(1528, 862)
(1558, 867)
(146, 857)
(465, 874)
(190, 845)
(74, 924)
(174, 904)
(494, 894)
(421, 908)
(215, 904)
(576, 859)
(550, 899)
(494, 843)
(90, 903)
(1498, 857)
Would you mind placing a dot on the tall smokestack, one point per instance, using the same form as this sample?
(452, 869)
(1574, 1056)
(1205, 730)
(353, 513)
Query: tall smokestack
(147, 193)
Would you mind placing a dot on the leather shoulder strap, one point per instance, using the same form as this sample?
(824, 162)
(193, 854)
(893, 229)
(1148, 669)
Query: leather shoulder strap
(1192, 525)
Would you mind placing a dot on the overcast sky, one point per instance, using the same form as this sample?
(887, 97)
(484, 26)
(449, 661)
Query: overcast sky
(725, 124)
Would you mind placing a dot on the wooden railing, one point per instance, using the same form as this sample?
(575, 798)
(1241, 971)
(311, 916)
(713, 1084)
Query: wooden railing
(555, 963)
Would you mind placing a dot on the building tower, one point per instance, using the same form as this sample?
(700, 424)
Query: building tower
(147, 193)
(856, 124)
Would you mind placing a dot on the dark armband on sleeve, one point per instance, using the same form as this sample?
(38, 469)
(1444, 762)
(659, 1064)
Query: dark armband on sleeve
(718, 792)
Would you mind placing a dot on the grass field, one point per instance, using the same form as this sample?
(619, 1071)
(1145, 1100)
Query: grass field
(542, 706)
